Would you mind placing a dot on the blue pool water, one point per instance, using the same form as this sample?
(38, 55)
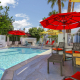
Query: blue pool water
(12, 56)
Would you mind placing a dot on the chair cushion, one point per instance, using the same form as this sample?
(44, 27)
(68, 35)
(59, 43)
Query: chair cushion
(70, 52)
(76, 76)
(77, 61)
(76, 54)
(57, 49)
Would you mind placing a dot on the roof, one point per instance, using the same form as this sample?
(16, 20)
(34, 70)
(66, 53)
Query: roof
(27, 34)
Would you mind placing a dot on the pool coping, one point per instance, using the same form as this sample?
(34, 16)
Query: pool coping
(9, 73)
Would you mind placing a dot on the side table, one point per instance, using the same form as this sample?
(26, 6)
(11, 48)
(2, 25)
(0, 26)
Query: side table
(55, 58)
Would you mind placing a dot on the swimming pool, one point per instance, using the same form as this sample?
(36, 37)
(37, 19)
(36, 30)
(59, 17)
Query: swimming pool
(12, 56)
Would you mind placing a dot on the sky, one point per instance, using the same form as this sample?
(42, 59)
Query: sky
(28, 13)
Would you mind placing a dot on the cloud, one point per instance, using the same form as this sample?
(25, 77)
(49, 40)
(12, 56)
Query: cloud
(40, 20)
(76, 8)
(64, 10)
(37, 27)
(74, 30)
(6, 2)
(22, 15)
(16, 29)
(21, 24)
(27, 29)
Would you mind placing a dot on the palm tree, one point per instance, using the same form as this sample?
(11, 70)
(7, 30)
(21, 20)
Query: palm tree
(24, 29)
(53, 12)
(69, 10)
(42, 19)
(59, 4)
(73, 6)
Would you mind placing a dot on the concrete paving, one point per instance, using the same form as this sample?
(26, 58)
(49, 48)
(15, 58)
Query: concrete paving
(37, 70)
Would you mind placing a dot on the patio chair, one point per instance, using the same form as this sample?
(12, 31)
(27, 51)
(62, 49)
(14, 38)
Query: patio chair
(19, 42)
(75, 49)
(76, 76)
(26, 43)
(60, 47)
(1, 44)
(76, 61)
(13, 43)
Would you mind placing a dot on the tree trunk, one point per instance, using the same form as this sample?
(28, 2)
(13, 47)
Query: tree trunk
(59, 7)
(69, 10)
(73, 6)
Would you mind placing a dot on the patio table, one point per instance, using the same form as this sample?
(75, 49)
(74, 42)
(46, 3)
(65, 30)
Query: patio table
(55, 58)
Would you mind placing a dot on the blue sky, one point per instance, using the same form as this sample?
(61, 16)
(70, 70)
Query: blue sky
(28, 13)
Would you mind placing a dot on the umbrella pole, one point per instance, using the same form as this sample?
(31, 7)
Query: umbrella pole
(55, 44)
(64, 45)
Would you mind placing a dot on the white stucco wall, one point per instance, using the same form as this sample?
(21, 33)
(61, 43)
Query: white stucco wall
(3, 40)
(33, 40)
(60, 38)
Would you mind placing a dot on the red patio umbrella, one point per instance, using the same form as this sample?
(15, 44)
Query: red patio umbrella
(16, 32)
(62, 21)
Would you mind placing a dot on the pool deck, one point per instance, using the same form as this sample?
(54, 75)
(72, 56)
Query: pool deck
(10, 72)
(36, 69)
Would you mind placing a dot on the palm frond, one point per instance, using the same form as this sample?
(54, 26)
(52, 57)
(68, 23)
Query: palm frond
(62, 4)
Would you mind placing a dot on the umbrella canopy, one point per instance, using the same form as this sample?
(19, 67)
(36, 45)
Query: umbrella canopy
(52, 31)
(44, 32)
(62, 21)
(16, 32)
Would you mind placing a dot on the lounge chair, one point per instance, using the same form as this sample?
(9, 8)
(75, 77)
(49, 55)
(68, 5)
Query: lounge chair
(46, 43)
(76, 76)
(12, 44)
(19, 42)
(1, 45)
(38, 43)
(50, 44)
(26, 43)
(75, 49)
